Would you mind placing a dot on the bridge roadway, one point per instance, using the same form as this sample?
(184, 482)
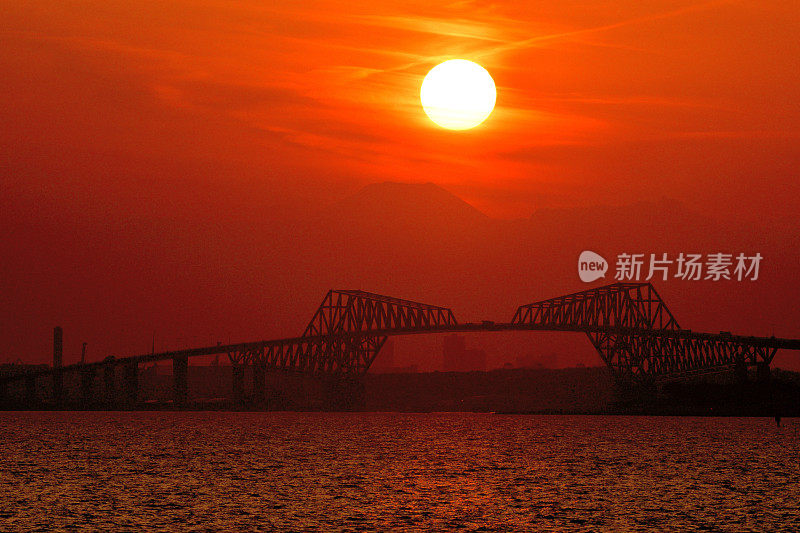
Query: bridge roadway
(467, 327)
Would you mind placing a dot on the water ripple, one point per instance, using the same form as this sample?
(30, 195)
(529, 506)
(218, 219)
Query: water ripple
(401, 472)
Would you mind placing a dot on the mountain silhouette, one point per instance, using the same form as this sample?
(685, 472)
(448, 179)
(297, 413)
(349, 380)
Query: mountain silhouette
(423, 207)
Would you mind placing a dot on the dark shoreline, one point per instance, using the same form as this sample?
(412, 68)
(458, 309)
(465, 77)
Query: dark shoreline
(571, 391)
(167, 408)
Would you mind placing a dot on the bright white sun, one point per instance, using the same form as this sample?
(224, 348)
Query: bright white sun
(458, 94)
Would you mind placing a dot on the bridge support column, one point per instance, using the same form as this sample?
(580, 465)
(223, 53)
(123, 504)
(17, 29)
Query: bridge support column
(259, 384)
(740, 371)
(237, 371)
(87, 385)
(762, 372)
(131, 383)
(180, 376)
(30, 391)
(109, 384)
(58, 387)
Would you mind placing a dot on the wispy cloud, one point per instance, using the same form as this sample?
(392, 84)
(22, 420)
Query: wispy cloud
(444, 27)
(541, 40)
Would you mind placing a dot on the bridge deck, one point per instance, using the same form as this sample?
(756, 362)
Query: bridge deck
(761, 342)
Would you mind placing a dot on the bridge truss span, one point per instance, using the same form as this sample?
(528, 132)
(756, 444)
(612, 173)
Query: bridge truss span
(638, 337)
(321, 355)
(352, 311)
(621, 305)
(346, 333)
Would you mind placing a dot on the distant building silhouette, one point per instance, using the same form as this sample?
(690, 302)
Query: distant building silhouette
(457, 358)
(12, 369)
(385, 362)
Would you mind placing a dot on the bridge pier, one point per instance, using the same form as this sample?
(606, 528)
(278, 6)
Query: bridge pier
(237, 371)
(58, 387)
(87, 385)
(762, 372)
(131, 383)
(109, 387)
(30, 391)
(740, 370)
(180, 376)
(259, 384)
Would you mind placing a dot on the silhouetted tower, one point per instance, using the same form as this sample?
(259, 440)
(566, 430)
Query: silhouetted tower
(58, 346)
(456, 357)
(453, 350)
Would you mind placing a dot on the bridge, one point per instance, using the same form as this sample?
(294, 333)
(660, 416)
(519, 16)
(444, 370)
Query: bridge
(629, 325)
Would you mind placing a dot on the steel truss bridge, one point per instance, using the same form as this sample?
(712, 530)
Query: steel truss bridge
(630, 326)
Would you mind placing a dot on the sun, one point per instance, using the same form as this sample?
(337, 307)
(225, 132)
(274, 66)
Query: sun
(458, 94)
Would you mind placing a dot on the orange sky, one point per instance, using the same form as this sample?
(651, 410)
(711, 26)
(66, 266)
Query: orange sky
(151, 149)
(596, 103)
